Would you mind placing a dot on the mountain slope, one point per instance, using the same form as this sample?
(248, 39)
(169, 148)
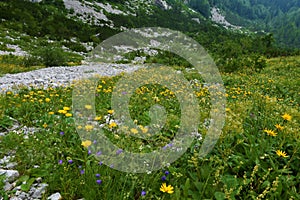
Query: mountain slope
(282, 18)
(78, 26)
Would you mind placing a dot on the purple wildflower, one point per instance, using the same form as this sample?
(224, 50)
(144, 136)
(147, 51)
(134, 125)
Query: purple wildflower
(163, 178)
(143, 193)
(99, 181)
(97, 175)
(167, 172)
(60, 162)
(119, 151)
(70, 161)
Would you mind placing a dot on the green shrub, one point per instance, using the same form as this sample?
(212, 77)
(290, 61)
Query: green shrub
(51, 56)
(75, 46)
(30, 61)
(253, 62)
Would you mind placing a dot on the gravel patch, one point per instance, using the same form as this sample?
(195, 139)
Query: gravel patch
(60, 76)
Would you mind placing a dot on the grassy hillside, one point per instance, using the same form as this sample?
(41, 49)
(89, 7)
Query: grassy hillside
(48, 26)
(275, 16)
(262, 119)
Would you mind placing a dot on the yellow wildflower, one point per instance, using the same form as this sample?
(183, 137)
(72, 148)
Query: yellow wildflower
(286, 117)
(97, 118)
(47, 100)
(134, 131)
(51, 113)
(112, 125)
(143, 129)
(62, 111)
(86, 143)
(66, 108)
(68, 115)
(270, 132)
(279, 127)
(88, 127)
(110, 111)
(164, 188)
(281, 153)
(89, 107)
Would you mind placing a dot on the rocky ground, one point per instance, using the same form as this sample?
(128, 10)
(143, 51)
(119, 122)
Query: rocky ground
(47, 77)
(10, 175)
(60, 76)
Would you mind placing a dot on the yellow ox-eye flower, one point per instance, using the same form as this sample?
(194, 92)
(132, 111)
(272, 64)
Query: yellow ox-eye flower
(98, 118)
(88, 127)
(270, 132)
(164, 188)
(66, 108)
(134, 131)
(286, 117)
(279, 127)
(86, 143)
(68, 115)
(281, 153)
(47, 100)
(112, 125)
(62, 111)
(89, 107)
(110, 112)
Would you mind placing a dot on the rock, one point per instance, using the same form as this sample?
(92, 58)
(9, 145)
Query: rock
(4, 160)
(11, 165)
(56, 76)
(15, 198)
(11, 175)
(8, 186)
(23, 195)
(39, 179)
(55, 196)
(39, 191)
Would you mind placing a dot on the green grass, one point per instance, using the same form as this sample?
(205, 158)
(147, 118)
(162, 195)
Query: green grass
(242, 165)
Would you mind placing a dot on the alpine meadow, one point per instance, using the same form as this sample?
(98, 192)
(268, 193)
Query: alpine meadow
(218, 120)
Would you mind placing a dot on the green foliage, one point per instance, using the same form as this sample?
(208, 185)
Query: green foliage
(251, 62)
(243, 164)
(278, 17)
(201, 6)
(77, 47)
(50, 56)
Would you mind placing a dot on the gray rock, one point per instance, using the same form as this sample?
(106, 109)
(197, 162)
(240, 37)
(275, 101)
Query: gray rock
(39, 179)
(11, 175)
(55, 196)
(56, 76)
(8, 186)
(39, 191)
(11, 165)
(15, 198)
(4, 160)
(23, 195)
